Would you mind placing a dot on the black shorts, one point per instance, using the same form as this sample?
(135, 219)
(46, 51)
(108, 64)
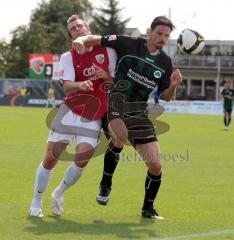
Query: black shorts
(140, 128)
(229, 110)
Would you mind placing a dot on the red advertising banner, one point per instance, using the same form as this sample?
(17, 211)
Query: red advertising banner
(43, 66)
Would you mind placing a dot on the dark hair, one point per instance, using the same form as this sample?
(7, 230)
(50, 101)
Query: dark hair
(162, 20)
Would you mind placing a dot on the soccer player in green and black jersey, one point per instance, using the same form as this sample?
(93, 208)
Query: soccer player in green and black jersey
(141, 66)
(228, 96)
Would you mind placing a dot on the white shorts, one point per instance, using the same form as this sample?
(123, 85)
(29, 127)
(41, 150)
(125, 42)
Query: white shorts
(74, 127)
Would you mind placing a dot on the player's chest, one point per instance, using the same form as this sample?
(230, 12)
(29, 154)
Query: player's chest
(141, 67)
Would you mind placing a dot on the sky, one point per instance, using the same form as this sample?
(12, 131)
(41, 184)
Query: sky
(213, 19)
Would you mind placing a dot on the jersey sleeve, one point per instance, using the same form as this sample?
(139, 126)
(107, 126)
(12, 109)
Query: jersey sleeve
(165, 81)
(66, 68)
(118, 42)
(112, 61)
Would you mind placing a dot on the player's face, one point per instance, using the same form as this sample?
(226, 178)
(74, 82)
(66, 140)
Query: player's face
(159, 36)
(78, 28)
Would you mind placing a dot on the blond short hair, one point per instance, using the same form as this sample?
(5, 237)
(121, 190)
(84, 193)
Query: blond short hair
(75, 17)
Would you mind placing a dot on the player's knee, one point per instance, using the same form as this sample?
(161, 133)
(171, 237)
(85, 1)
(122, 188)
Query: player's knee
(121, 137)
(155, 169)
(117, 143)
(84, 152)
(82, 159)
(81, 163)
(50, 159)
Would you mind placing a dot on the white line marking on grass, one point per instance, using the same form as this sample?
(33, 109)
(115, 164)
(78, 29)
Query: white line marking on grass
(200, 235)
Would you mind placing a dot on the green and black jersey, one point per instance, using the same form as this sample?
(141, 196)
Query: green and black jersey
(137, 71)
(228, 95)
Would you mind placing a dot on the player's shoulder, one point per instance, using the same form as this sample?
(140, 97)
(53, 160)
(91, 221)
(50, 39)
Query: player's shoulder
(110, 50)
(66, 57)
(66, 54)
(164, 54)
(165, 59)
(135, 42)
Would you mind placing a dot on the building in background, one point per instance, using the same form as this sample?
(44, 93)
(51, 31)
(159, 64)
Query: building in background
(132, 32)
(204, 73)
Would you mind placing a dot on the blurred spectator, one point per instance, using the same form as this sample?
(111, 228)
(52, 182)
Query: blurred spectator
(50, 97)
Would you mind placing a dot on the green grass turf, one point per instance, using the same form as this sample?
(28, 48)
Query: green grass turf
(196, 195)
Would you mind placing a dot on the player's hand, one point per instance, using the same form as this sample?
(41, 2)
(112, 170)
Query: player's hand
(176, 78)
(100, 73)
(85, 86)
(79, 45)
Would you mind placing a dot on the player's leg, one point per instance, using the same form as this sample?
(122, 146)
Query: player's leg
(226, 119)
(229, 117)
(84, 151)
(150, 153)
(119, 135)
(43, 175)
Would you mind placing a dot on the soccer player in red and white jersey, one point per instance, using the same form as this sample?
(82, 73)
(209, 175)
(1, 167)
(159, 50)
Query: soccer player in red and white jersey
(84, 78)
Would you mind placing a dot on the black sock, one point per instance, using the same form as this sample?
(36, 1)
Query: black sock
(152, 184)
(229, 119)
(225, 121)
(111, 160)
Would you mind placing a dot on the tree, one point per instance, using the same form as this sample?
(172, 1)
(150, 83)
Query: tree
(108, 21)
(4, 57)
(46, 33)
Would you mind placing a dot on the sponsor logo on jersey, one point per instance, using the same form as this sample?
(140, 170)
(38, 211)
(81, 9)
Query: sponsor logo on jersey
(157, 74)
(89, 71)
(112, 37)
(115, 113)
(60, 73)
(100, 58)
(140, 79)
(150, 60)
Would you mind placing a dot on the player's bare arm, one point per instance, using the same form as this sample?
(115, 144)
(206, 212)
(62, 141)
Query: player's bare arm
(176, 79)
(70, 86)
(80, 44)
(102, 74)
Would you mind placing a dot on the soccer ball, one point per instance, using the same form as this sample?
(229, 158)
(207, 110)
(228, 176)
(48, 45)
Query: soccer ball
(190, 42)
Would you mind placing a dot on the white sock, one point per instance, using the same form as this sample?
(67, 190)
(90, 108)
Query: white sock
(72, 174)
(42, 180)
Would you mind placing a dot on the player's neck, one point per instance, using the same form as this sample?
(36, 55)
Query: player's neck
(152, 49)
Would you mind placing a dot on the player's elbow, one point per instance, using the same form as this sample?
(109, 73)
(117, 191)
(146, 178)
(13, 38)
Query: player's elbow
(167, 99)
(67, 87)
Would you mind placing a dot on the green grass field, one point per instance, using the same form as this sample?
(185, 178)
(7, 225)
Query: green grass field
(196, 196)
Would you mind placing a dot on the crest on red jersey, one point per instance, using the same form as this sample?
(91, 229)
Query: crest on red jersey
(100, 58)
